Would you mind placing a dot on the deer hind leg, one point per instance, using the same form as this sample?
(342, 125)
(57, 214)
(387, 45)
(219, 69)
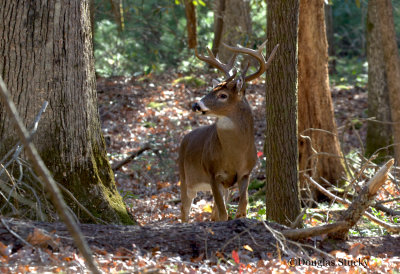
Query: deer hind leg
(187, 197)
(220, 194)
(243, 184)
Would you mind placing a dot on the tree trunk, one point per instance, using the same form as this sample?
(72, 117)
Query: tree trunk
(330, 36)
(282, 189)
(236, 27)
(378, 134)
(191, 23)
(315, 102)
(46, 54)
(392, 66)
(219, 10)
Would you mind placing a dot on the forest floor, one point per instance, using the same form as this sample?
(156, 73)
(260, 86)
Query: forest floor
(156, 111)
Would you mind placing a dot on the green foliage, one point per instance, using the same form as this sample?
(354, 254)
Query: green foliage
(191, 81)
(349, 27)
(154, 37)
(350, 72)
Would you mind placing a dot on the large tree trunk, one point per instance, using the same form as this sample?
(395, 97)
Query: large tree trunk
(236, 26)
(46, 54)
(315, 102)
(392, 66)
(378, 134)
(282, 189)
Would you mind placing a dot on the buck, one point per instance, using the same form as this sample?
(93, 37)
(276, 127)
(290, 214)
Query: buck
(218, 156)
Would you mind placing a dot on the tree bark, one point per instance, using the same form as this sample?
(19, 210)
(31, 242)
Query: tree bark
(392, 66)
(378, 134)
(236, 27)
(46, 54)
(219, 10)
(282, 189)
(191, 23)
(315, 102)
(330, 36)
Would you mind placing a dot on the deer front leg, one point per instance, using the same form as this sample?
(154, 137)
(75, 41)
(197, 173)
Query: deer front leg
(219, 211)
(243, 184)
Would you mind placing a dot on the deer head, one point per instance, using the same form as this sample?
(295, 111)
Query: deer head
(218, 156)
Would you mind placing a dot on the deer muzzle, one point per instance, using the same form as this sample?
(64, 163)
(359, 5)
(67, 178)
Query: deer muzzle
(200, 107)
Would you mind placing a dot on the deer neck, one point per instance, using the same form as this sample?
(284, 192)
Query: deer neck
(235, 131)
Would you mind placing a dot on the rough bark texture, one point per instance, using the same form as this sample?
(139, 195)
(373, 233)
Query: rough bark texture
(46, 54)
(315, 102)
(219, 9)
(236, 26)
(392, 66)
(378, 134)
(191, 23)
(330, 36)
(282, 189)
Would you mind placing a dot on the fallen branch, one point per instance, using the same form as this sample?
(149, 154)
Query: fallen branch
(133, 155)
(389, 227)
(301, 233)
(364, 199)
(351, 216)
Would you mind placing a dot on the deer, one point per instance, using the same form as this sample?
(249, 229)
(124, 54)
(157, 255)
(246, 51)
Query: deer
(219, 156)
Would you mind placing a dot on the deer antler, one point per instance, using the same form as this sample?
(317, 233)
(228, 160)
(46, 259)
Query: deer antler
(256, 54)
(215, 62)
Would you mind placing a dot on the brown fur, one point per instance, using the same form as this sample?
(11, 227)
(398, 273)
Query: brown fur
(218, 156)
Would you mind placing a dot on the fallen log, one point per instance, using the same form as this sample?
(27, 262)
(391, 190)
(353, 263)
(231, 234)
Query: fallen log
(188, 240)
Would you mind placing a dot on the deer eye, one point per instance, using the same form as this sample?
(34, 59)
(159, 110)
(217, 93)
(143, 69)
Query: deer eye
(222, 96)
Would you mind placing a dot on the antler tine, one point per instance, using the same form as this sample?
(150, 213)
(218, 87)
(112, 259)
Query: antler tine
(215, 62)
(256, 54)
(271, 56)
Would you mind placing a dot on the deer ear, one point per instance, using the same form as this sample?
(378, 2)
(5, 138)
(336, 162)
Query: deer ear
(214, 83)
(240, 86)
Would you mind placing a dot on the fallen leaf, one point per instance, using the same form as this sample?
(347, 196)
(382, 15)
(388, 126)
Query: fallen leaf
(355, 249)
(41, 238)
(235, 256)
(247, 247)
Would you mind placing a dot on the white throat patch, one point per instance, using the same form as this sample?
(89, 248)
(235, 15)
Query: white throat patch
(225, 123)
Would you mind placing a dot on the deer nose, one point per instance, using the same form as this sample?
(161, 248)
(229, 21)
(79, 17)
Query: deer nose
(196, 107)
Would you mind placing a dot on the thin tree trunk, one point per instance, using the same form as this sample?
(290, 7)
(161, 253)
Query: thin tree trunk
(392, 67)
(46, 54)
(282, 189)
(378, 134)
(236, 27)
(219, 10)
(315, 102)
(191, 23)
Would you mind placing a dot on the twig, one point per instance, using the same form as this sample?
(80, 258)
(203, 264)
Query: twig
(97, 220)
(13, 233)
(42, 170)
(18, 147)
(363, 167)
(388, 227)
(134, 154)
